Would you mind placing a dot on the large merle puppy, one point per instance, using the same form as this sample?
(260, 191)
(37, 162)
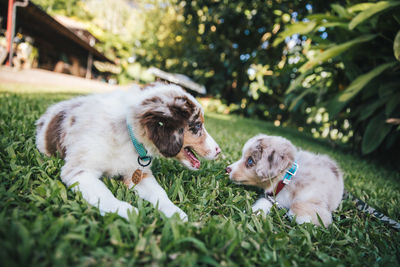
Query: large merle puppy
(118, 134)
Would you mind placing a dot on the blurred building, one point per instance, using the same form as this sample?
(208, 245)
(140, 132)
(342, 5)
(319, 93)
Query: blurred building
(63, 45)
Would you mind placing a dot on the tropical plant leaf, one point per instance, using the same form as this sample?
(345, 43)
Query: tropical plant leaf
(368, 109)
(297, 100)
(341, 11)
(392, 104)
(396, 46)
(334, 24)
(389, 88)
(335, 51)
(325, 17)
(360, 7)
(340, 101)
(375, 133)
(396, 18)
(297, 28)
(369, 12)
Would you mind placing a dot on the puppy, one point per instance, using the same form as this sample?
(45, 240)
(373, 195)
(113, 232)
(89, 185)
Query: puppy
(118, 134)
(305, 183)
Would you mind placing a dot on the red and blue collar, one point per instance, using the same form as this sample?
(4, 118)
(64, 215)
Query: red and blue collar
(287, 177)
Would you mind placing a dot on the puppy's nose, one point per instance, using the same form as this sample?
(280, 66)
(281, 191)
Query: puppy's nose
(228, 169)
(217, 150)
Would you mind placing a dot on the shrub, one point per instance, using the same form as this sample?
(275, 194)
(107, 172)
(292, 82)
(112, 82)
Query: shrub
(351, 71)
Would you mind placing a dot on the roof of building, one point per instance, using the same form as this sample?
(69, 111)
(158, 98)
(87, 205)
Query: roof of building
(77, 27)
(179, 79)
(33, 21)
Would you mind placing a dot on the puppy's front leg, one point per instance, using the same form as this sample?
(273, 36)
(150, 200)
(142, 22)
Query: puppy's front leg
(150, 190)
(95, 191)
(262, 204)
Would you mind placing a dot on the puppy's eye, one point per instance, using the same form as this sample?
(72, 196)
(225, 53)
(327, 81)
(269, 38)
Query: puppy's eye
(249, 162)
(198, 126)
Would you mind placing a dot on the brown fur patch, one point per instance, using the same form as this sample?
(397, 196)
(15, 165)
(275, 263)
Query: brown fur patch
(164, 132)
(194, 121)
(54, 135)
(153, 100)
(271, 156)
(40, 126)
(72, 121)
(196, 142)
(151, 85)
(164, 129)
(335, 170)
(201, 118)
(187, 103)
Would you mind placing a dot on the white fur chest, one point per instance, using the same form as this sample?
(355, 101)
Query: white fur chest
(284, 198)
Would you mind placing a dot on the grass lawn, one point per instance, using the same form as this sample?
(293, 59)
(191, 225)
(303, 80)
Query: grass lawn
(43, 223)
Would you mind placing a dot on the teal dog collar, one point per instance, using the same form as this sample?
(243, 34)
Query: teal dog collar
(143, 159)
(290, 173)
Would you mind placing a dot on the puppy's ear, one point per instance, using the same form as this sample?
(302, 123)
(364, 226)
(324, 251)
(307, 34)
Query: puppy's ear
(164, 121)
(274, 161)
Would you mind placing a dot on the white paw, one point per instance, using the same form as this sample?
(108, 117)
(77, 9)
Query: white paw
(300, 219)
(174, 209)
(261, 205)
(303, 219)
(121, 209)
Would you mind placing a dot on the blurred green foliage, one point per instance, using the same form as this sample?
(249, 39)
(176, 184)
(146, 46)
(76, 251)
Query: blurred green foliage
(351, 73)
(325, 67)
(217, 43)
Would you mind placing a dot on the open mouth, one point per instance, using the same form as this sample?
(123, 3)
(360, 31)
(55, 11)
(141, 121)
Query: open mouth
(239, 182)
(191, 156)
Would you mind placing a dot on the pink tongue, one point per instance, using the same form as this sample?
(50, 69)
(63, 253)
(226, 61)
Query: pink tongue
(193, 160)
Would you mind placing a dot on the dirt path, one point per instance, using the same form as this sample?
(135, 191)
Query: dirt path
(52, 81)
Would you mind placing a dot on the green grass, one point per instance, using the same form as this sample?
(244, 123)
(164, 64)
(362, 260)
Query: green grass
(43, 223)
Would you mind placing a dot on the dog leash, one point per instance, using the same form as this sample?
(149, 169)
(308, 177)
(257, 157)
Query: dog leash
(360, 205)
(364, 207)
